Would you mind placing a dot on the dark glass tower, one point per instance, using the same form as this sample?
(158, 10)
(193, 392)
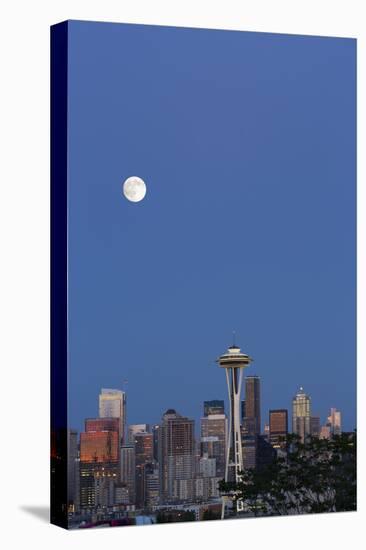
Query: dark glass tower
(143, 443)
(252, 418)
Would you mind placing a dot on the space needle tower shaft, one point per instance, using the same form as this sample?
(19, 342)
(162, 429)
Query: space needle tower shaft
(234, 362)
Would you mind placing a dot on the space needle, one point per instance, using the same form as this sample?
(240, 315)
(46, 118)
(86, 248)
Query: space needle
(234, 362)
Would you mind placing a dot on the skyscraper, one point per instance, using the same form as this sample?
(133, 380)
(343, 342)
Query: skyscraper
(99, 458)
(334, 421)
(176, 435)
(215, 406)
(143, 443)
(128, 474)
(102, 425)
(242, 411)
(278, 428)
(155, 432)
(301, 414)
(100, 441)
(151, 485)
(252, 419)
(112, 404)
(257, 451)
(315, 426)
(135, 429)
(249, 447)
(325, 432)
(213, 440)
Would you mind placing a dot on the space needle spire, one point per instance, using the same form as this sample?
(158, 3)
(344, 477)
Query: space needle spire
(234, 362)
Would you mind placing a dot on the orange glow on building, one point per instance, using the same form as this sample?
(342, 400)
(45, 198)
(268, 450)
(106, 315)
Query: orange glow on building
(102, 424)
(99, 446)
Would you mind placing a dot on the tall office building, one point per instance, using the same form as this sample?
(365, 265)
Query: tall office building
(252, 419)
(102, 425)
(128, 473)
(334, 422)
(100, 441)
(155, 433)
(301, 413)
(176, 444)
(325, 432)
(315, 426)
(135, 429)
(278, 428)
(143, 443)
(99, 458)
(249, 450)
(112, 404)
(214, 429)
(257, 451)
(151, 486)
(196, 455)
(215, 406)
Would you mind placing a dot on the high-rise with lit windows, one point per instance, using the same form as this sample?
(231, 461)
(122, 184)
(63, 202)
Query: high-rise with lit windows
(213, 439)
(128, 473)
(176, 444)
(278, 428)
(301, 413)
(143, 444)
(99, 458)
(112, 404)
(334, 421)
(252, 418)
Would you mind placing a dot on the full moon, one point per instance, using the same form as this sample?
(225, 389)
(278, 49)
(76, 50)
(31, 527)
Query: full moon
(134, 189)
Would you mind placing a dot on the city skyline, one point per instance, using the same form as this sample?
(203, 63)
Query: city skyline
(148, 425)
(327, 405)
(181, 462)
(152, 468)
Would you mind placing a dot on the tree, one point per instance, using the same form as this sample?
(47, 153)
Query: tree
(172, 516)
(317, 476)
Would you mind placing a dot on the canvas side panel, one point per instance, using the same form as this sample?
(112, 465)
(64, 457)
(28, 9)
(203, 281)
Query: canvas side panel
(59, 49)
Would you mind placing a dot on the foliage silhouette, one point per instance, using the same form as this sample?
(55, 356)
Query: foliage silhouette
(312, 477)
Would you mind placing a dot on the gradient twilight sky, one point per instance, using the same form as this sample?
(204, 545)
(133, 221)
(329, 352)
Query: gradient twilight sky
(246, 142)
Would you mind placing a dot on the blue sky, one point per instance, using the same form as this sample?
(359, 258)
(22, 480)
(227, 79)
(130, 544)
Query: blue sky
(246, 142)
